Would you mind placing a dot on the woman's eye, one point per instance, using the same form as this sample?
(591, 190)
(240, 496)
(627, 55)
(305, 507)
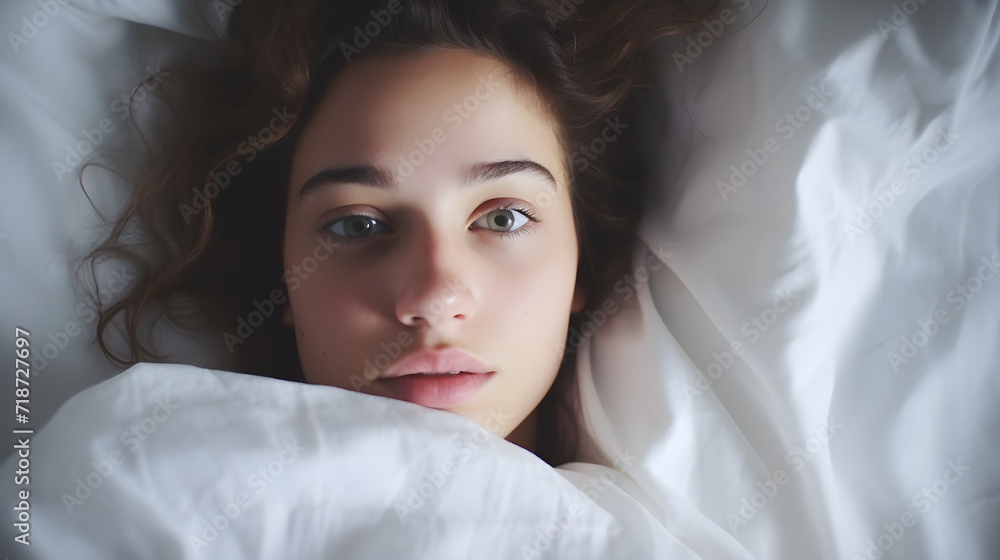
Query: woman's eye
(356, 227)
(503, 220)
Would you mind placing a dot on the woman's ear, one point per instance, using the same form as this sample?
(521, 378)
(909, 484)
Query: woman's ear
(286, 314)
(579, 299)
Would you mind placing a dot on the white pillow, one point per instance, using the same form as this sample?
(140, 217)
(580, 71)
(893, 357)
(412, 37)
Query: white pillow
(69, 69)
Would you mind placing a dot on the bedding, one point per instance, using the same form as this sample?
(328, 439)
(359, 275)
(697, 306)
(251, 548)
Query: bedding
(174, 461)
(803, 361)
(816, 366)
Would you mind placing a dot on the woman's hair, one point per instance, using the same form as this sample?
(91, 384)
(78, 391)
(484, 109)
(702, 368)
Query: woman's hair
(206, 221)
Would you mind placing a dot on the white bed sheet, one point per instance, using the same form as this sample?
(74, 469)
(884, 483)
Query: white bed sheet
(792, 338)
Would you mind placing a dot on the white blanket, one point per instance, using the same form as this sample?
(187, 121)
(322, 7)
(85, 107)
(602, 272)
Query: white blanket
(172, 462)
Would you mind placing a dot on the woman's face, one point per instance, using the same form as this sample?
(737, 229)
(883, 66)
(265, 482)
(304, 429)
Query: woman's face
(429, 230)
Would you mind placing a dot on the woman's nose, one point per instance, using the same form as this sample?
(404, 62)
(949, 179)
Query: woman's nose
(434, 290)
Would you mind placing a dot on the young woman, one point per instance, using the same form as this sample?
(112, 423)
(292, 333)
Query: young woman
(428, 194)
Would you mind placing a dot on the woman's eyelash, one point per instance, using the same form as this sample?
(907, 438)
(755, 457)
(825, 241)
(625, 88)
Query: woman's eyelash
(329, 223)
(513, 206)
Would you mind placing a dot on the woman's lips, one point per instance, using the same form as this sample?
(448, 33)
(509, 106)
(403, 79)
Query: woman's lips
(435, 390)
(426, 377)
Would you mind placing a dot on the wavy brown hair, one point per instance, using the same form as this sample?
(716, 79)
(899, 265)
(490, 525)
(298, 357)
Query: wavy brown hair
(220, 247)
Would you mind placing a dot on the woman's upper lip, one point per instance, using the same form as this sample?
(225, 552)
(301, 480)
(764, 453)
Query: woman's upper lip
(435, 361)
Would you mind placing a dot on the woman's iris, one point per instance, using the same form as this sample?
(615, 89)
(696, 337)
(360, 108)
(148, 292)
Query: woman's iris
(502, 220)
(355, 227)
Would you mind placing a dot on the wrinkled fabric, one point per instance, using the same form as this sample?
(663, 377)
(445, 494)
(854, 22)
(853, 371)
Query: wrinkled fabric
(172, 461)
(808, 347)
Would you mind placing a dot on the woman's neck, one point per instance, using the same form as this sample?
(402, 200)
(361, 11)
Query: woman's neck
(525, 434)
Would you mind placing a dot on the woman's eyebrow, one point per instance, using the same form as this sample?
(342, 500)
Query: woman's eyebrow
(381, 178)
(365, 175)
(493, 171)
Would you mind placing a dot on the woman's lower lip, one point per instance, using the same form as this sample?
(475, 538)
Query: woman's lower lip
(435, 391)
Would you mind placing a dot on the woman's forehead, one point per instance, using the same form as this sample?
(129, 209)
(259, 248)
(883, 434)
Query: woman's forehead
(433, 110)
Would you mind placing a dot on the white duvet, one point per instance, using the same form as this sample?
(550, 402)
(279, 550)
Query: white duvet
(804, 361)
(171, 462)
